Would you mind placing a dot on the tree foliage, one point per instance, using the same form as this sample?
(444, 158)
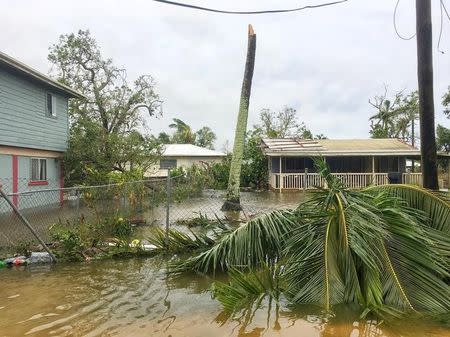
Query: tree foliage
(205, 137)
(183, 134)
(282, 124)
(446, 103)
(443, 138)
(394, 117)
(104, 135)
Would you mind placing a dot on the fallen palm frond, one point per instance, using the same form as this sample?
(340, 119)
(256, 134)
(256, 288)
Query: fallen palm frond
(389, 260)
(435, 205)
(244, 289)
(261, 240)
(384, 250)
(179, 242)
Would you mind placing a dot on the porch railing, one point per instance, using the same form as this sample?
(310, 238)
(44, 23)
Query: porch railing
(412, 178)
(299, 181)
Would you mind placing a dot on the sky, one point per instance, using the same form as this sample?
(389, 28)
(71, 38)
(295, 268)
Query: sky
(326, 62)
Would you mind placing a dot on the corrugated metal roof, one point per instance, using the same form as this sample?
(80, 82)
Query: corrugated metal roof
(189, 150)
(293, 146)
(26, 70)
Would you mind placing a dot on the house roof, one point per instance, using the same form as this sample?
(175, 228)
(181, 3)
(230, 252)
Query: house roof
(21, 68)
(337, 147)
(189, 150)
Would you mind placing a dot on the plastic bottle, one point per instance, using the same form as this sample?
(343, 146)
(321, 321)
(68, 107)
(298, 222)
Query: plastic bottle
(2, 264)
(19, 261)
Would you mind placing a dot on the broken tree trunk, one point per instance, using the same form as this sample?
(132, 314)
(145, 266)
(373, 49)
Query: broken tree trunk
(232, 202)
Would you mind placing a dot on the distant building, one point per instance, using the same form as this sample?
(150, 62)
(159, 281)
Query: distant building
(34, 129)
(183, 155)
(357, 162)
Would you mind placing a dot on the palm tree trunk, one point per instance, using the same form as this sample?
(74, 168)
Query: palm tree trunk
(233, 196)
(426, 101)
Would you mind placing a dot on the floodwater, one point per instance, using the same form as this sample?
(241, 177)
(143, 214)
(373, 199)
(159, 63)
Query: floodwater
(136, 298)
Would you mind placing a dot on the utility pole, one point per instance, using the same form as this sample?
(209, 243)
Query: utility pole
(426, 100)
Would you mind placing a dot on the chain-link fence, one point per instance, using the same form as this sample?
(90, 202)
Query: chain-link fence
(154, 202)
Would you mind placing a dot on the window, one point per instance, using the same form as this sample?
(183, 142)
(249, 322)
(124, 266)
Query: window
(38, 169)
(51, 105)
(167, 163)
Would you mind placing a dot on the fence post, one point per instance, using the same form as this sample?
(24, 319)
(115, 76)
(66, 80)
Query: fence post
(78, 196)
(168, 197)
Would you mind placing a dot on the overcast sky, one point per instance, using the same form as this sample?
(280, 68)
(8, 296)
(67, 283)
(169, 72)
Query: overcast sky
(325, 62)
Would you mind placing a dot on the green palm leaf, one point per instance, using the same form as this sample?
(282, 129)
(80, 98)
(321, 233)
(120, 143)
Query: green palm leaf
(244, 289)
(261, 240)
(435, 205)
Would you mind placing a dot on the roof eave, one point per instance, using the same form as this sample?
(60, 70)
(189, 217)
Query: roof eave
(38, 76)
(341, 153)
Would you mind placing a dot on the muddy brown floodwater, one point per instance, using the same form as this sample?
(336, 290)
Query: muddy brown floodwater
(135, 298)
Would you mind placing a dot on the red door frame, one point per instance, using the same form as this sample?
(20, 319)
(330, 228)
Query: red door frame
(15, 178)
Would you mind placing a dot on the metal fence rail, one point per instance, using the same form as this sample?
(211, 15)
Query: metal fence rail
(153, 202)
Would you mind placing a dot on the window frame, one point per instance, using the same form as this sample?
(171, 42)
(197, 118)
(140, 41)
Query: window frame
(38, 181)
(53, 112)
(166, 167)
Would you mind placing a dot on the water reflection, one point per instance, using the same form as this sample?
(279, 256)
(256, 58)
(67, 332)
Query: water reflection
(136, 298)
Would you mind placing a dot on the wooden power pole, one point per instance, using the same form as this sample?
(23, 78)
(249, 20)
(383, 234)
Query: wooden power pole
(426, 100)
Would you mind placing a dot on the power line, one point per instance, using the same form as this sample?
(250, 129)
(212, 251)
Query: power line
(395, 25)
(445, 9)
(441, 4)
(442, 8)
(174, 3)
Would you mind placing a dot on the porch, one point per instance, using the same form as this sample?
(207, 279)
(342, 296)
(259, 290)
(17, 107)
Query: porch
(304, 181)
(358, 163)
(355, 171)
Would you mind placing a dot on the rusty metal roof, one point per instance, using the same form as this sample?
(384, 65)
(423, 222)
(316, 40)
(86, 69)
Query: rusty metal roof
(327, 147)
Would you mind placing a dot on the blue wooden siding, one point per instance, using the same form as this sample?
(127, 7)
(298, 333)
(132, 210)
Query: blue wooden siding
(33, 200)
(29, 200)
(23, 115)
(6, 172)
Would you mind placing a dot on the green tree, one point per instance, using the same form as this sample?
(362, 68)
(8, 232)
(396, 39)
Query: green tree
(183, 132)
(446, 103)
(443, 144)
(281, 124)
(408, 114)
(205, 137)
(254, 164)
(164, 138)
(395, 118)
(443, 138)
(383, 121)
(104, 134)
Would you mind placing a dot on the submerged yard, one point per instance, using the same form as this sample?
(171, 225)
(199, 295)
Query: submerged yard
(136, 298)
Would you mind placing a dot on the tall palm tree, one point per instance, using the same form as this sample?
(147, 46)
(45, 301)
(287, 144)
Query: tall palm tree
(183, 132)
(233, 194)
